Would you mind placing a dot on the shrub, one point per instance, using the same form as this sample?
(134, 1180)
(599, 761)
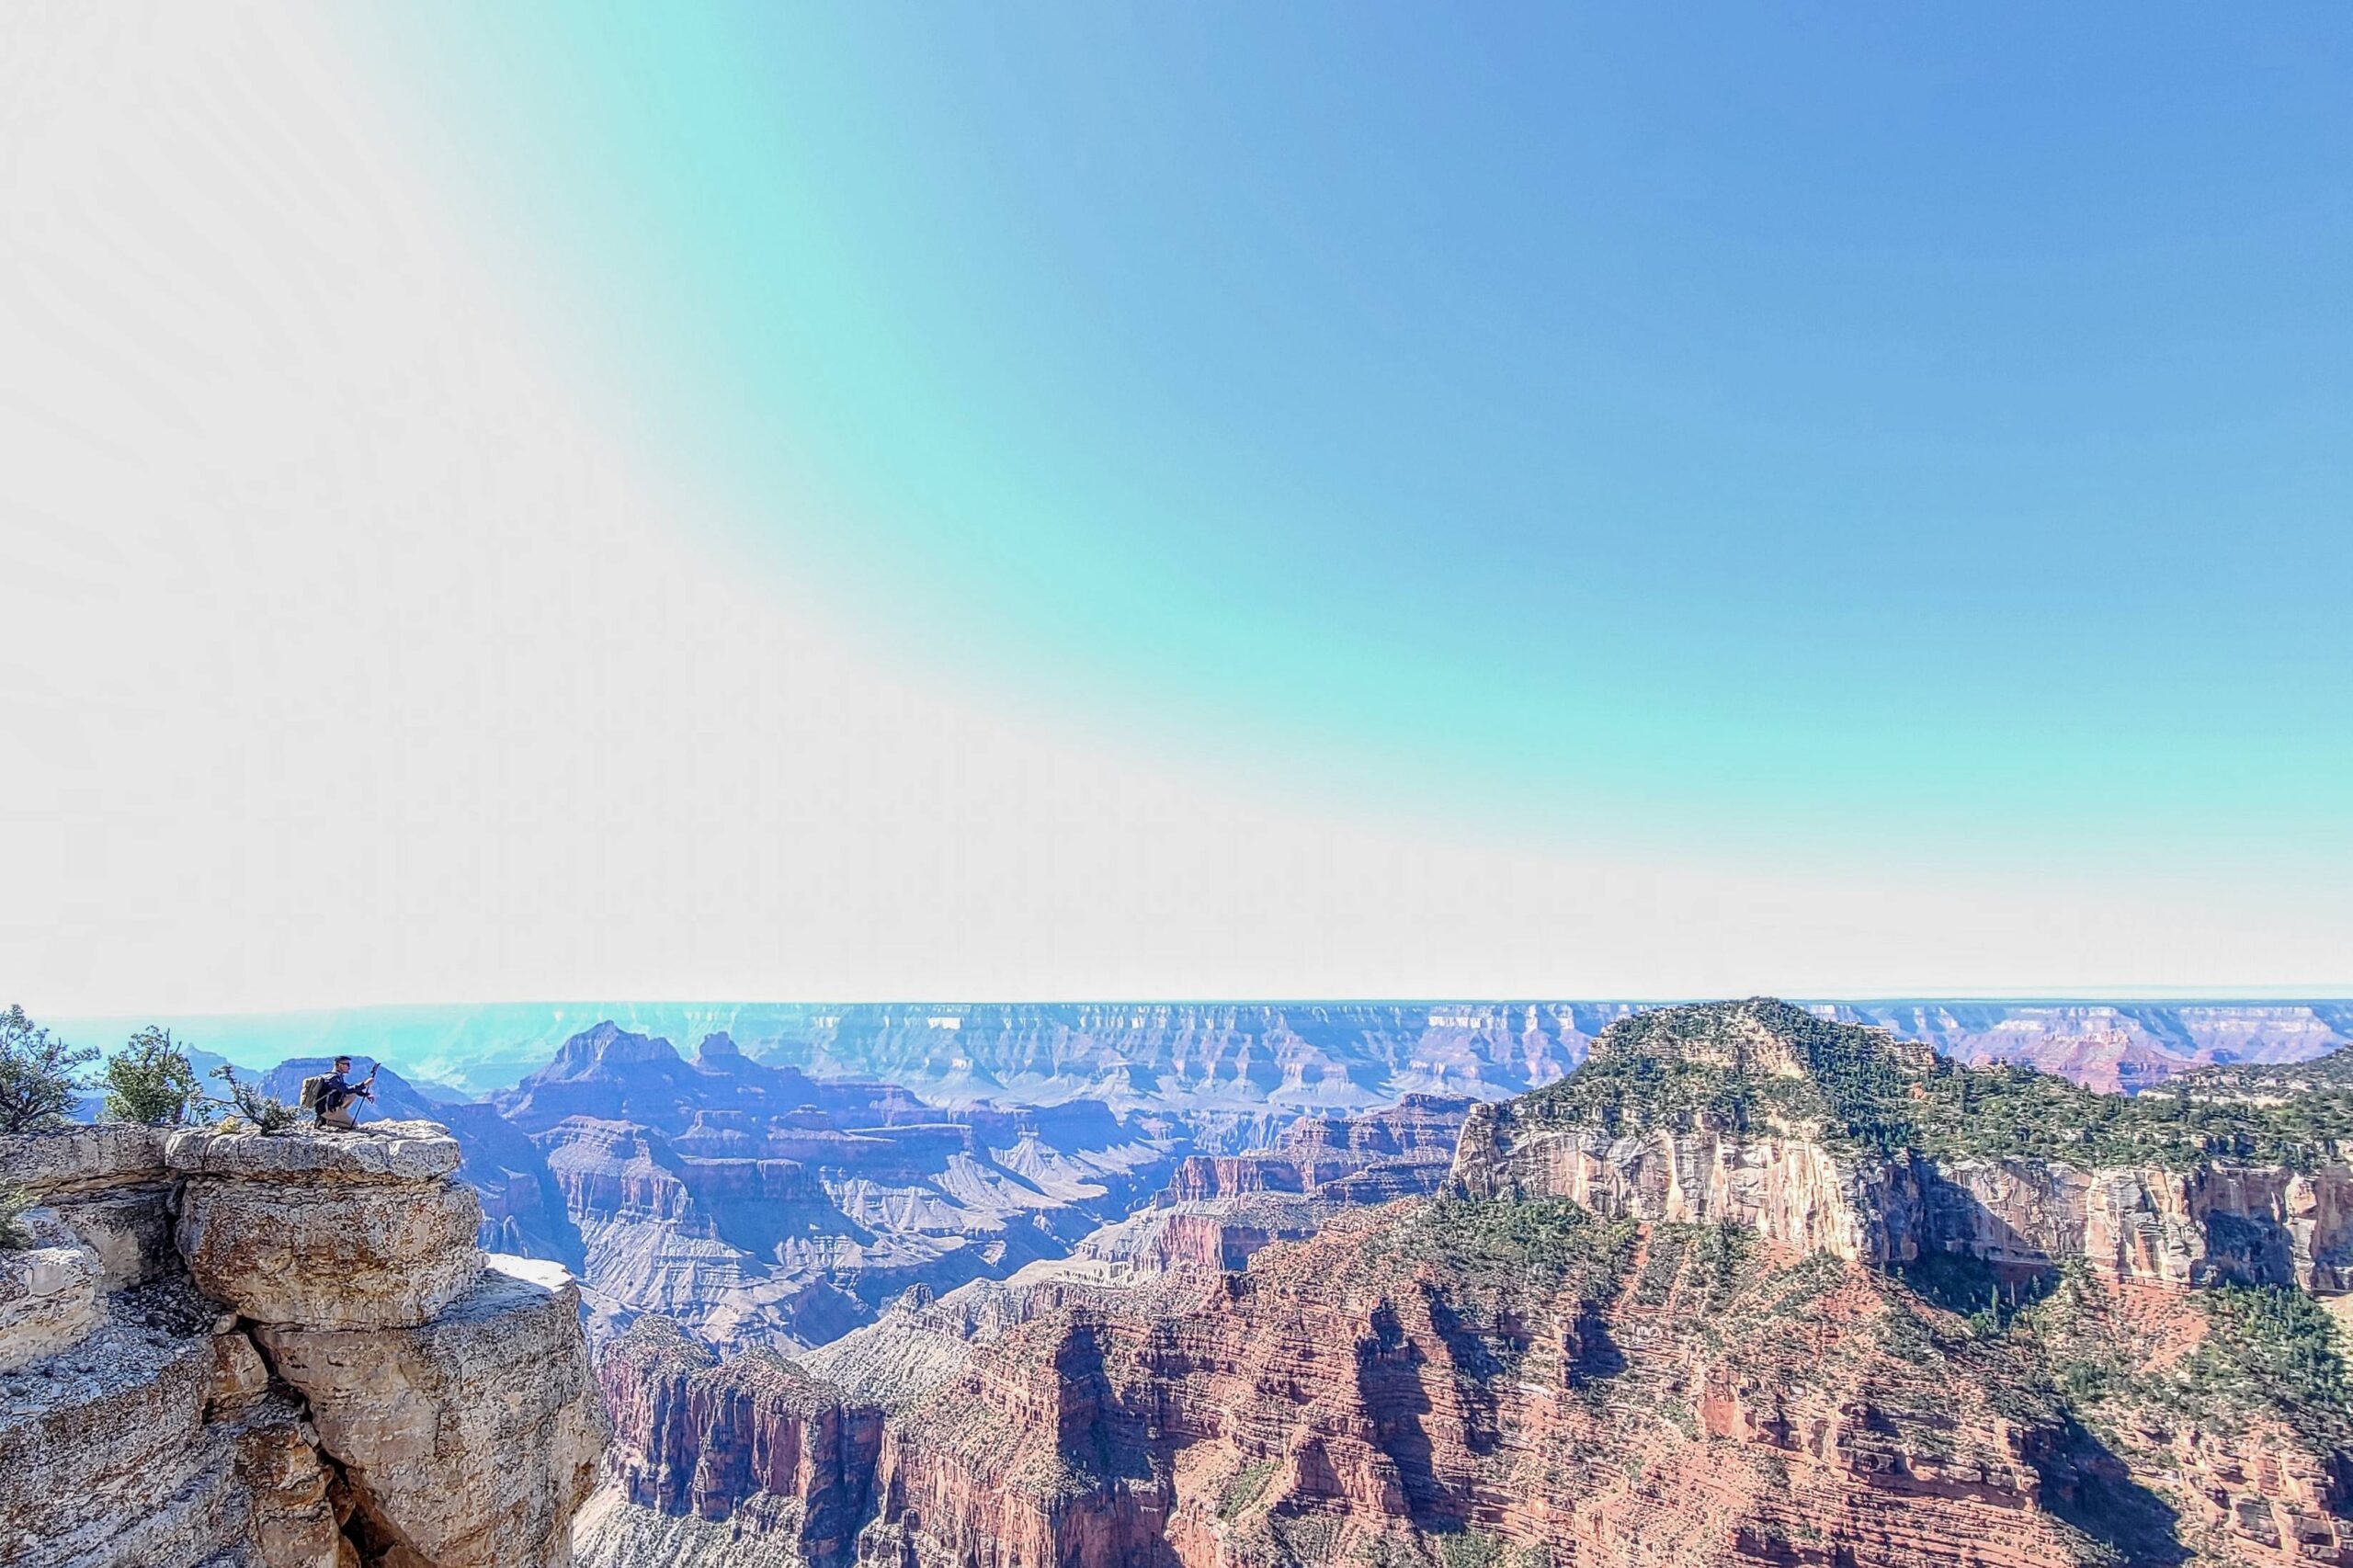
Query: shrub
(2272, 1349)
(13, 1201)
(1967, 1285)
(149, 1080)
(1507, 1244)
(1470, 1549)
(266, 1115)
(1722, 1256)
(1244, 1487)
(38, 1075)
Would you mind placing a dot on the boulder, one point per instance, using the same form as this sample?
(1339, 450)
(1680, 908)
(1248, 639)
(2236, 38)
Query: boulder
(50, 1297)
(137, 1449)
(331, 1230)
(469, 1439)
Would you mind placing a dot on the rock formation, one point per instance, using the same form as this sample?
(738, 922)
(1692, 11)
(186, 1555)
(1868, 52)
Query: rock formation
(327, 1231)
(1891, 1166)
(287, 1352)
(706, 1436)
(1741, 1296)
(1420, 1131)
(761, 1207)
(468, 1437)
(522, 1209)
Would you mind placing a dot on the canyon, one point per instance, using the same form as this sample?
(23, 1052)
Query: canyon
(1747, 1283)
(782, 1194)
(1739, 1291)
(761, 1207)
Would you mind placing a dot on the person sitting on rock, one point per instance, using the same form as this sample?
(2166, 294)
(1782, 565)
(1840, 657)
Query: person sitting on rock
(338, 1095)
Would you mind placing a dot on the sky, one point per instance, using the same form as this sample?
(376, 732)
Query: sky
(1036, 502)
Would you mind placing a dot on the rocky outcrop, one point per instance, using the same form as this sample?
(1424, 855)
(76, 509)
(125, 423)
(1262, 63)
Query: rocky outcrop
(51, 1293)
(1807, 1184)
(334, 1231)
(160, 1443)
(141, 1430)
(471, 1437)
(300, 1387)
(110, 1186)
(1787, 1188)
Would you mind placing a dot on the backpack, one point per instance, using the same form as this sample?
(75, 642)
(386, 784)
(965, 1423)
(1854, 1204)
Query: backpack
(310, 1100)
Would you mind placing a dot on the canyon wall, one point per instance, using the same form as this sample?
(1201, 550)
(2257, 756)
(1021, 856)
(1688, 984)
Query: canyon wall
(280, 1352)
(1714, 1300)
(761, 1207)
(1786, 1187)
(2217, 1222)
(1372, 1395)
(694, 1435)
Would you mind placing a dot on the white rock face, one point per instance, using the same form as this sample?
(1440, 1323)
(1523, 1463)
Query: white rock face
(1786, 1187)
(334, 1230)
(469, 1439)
(2216, 1223)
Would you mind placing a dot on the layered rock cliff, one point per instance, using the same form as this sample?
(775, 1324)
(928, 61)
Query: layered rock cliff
(1419, 1130)
(1831, 1137)
(761, 1207)
(281, 1351)
(1743, 1297)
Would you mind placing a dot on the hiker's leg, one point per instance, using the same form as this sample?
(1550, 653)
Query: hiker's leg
(338, 1118)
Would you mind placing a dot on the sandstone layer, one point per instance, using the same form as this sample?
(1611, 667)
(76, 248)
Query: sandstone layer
(338, 1229)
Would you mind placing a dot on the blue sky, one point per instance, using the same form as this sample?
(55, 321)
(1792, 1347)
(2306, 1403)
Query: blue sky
(1032, 501)
(1932, 423)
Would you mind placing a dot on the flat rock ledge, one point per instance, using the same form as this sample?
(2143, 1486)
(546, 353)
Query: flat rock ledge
(328, 1229)
(379, 1151)
(70, 1160)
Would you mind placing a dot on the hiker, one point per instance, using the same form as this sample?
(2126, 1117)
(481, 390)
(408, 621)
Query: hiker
(336, 1095)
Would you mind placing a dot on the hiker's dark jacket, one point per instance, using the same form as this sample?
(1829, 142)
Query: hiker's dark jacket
(335, 1093)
